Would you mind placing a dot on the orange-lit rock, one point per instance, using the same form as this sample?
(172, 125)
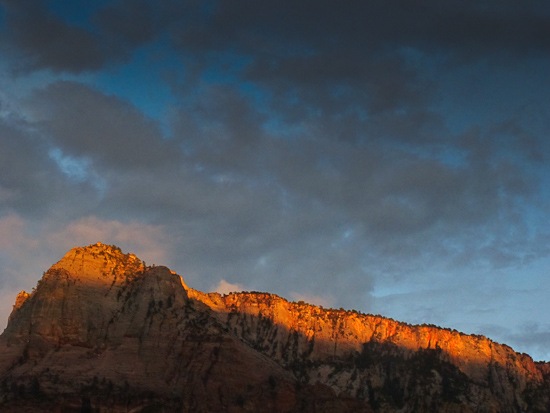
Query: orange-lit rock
(103, 331)
(19, 301)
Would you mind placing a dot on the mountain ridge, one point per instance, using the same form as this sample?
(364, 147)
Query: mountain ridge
(132, 327)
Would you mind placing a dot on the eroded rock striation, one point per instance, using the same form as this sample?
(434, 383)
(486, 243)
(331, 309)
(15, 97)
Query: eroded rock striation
(102, 332)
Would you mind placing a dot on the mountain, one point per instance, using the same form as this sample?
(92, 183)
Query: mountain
(103, 332)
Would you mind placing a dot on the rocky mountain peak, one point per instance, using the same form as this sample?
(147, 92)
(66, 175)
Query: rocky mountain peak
(99, 262)
(103, 332)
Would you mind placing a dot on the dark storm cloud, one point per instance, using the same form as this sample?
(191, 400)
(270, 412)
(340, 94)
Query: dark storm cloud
(286, 39)
(46, 41)
(289, 26)
(401, 203)
(130, 23)
(222, 126)
(86, 123)
(21, 170)
(381, 175)
(30, 181)
(43, 38)
(364, 44)
(343, 87)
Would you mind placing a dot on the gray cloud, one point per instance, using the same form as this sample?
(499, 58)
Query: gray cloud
(30, 182)
(85, 122)
(534, 337)
(379, 25)
(46, 41)
(129, 23)
(334, 40)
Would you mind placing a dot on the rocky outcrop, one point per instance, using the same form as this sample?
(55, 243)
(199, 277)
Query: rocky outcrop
(394, 365)
(102, 332)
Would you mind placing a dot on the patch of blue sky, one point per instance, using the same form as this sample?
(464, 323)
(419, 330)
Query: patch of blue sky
(527, 278)
(78, 170)
(509, 103)
(382, 289)
(75, 169)
(259, 96)
(17, 88)
(226, 68)
(77, 13)
(142, 82)
(344, 238)
(278, 128)
(425, 63)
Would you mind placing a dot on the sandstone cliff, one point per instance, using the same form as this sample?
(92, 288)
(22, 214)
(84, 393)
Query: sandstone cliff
(103, 332)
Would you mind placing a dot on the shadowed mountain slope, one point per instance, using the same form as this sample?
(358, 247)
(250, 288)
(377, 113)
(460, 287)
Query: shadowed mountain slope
(102, 332)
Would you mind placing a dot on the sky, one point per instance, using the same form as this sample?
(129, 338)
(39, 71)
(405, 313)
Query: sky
(390, 157)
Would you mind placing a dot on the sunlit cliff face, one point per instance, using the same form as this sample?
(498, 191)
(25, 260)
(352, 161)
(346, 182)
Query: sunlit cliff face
(337, 332)
(101, 313)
